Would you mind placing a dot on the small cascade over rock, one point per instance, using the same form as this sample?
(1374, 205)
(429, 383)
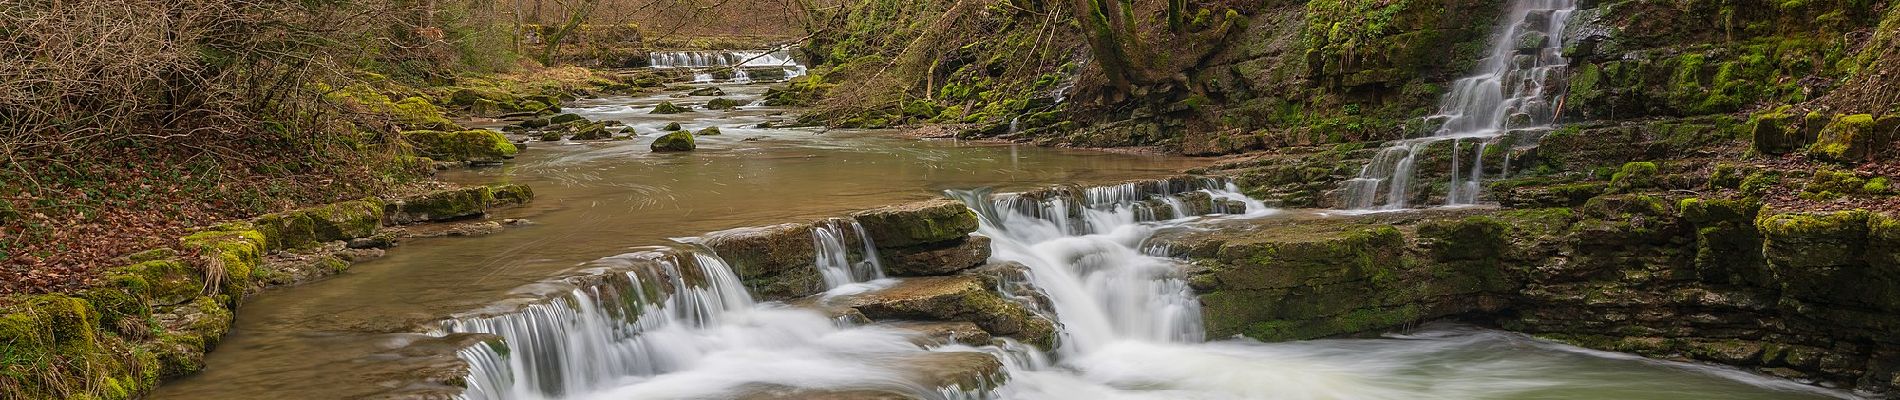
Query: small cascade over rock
(680, 323)
(1508, 103)
(729, 66)
(834, 257)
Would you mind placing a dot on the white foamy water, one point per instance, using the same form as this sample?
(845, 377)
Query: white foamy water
(1130, 329)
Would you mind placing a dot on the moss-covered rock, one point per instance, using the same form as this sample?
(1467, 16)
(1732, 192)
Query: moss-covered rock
(955, 298)
(1635, 176)
(305, 227)
(667, 107)
(676, 141)
(230, 254)
(672, 127)
(708, 131)
(1777, 132)
(511, 194)
(440, 205)
(565, 118)
(593, 131)
(776, 261)
(469, 145)
(916, 224)
(1850, 138)
(726, 104)
(418, 113)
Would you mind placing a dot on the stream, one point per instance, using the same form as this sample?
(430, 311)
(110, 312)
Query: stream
(1130, 328)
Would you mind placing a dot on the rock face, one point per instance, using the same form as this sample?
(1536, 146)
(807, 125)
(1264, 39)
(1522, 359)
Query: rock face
(940, 259)
(671, 142)
(1802, 295)
(954, 298)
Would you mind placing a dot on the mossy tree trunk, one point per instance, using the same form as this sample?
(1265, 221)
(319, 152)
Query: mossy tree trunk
(576, 13)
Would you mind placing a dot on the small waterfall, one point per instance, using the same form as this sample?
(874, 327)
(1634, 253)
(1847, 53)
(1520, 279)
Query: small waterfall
(743, 64)
(834, 258)
(1083, 250)
(680, 324)
(1511, 93)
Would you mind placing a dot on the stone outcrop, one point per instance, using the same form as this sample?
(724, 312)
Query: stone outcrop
(444, 205)
(917, 223)
(775, 261)
(1802, 295)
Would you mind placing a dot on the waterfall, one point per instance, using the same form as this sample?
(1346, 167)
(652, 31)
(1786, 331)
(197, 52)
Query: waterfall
(1510, 93)
(680, 324)
(743, 64)
(834, 258)
(1083, 250)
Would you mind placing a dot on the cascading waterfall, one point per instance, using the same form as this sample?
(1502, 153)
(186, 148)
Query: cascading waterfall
(703, 63)
(631, 337)
(1510, 94)
(1083, 253)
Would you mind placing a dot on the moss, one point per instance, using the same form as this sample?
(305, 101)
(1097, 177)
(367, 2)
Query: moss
(1728, 176)
(708, 131)
(726, 104)
(565, 118)
(236, 252)
(469, 145)
(416, 112)
(672, 127)
(1634, 176)
(1848, 138)
(511, 194)
(441, 205)
(667, 107)
(161, 281)
(676, 141)
(1760, 182)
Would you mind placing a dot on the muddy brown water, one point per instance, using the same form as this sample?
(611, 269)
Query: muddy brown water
(344, 337)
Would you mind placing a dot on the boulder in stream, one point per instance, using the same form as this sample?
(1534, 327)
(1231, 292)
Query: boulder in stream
(725, 104)
(672, 126)
(955, 298)
(919, 223)
(709, 131)
(676, 141)
(565, 118)
(708, 91)
(667, 107)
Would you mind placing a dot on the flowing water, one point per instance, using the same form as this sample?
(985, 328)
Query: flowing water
(346, 336)
(606, 295)
(1510, 96)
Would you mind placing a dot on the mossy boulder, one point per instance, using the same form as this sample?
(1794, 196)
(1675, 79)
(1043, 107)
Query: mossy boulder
(776, 261)
(676, 141)
(708, 131)
(310, 226)
(708, 91)
(469, 145)
(231, 253)
(725, 104)
(1635, 176)
(672, 126)
(916, 224)
(1851, 138)
(511, 194)
(955, 298)
(667, 107)
(593, 131)
(441, 205)
(565, 118)
(1777, 132)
